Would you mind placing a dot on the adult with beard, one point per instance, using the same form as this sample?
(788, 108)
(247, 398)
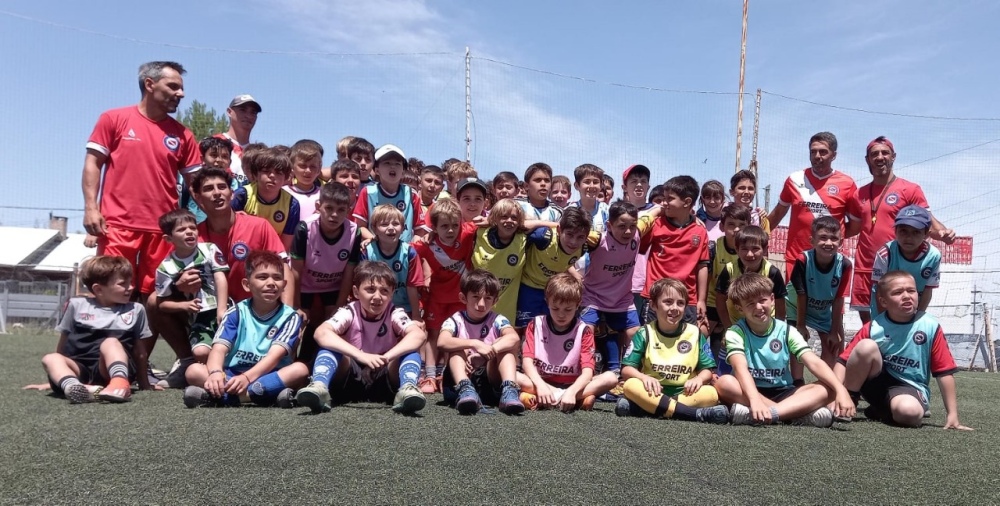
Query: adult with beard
(243, 110)
(879, 202)
(140, 150)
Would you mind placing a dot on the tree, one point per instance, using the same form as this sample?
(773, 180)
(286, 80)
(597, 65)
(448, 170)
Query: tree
(203, 121)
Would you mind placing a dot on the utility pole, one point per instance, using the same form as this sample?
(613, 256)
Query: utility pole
(743, 65)
(468, 105)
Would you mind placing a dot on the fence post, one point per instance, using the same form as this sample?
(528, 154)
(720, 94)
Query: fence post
(991, 354)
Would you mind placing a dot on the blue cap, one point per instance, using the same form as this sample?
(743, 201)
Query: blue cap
(914, 216)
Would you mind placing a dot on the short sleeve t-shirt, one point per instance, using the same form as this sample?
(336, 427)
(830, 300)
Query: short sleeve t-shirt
(675, 251)
(405, 265)
(672, 358)
(925, 269)
(808, 197)
(370, 335)
(324, 259)
(207, 259)
(878, 227)
(87, 324)
(248, 336)
(248, 233)
(505, 261)
(307, 200)
(821, 287)
(282, 213)
(560, 357)
(546, 258)
(448, 263)
(144, 158)
(767, 355)
(405, 199)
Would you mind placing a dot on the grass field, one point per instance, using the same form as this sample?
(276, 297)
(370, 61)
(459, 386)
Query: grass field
(153, 451)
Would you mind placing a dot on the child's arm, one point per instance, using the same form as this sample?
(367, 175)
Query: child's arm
(530, 225)
(347, 281)
(414, 297)
(366, 235)
(801, 301)
(837, 322)
(758, 409)
(694, 384)
(543, 390)
(326, 337)
(286, 241)
(288, 294)
(575, 273)
(842, 404)
(412, 339)
(239, 383)
(63, 337)
(297, 265)
(221, 294)
(449, 343)
(216, 382)
(779, 308)
(568, 400)
(508, 341)
(702, 274)
(722, 308)
(948, 394)
(925, 298)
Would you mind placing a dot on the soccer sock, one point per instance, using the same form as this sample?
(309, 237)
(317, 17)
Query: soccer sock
(68, 381)
(118, 370)
(266, 389)
(409, 369)
(325, 366)
(431, 371)
(774, 415)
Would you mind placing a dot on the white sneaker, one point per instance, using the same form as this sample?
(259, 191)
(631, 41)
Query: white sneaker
(315, 396)
(409, 400)
(740, 415)
(822, 417)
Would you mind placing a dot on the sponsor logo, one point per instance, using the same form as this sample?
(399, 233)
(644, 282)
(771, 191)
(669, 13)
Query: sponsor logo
(925, 273)
(279, 216)
(568, 345)
(129, 317)
(891, 199)
(775, 345)
(919, 337)
(240, 251)
(511, 260)
(832, 190)
(343, 254)
(171, 142)
(683, 347)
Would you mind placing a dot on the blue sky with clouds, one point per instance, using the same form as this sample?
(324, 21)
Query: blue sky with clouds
(66, 62)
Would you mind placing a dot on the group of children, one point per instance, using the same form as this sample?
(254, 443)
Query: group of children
(507, 294)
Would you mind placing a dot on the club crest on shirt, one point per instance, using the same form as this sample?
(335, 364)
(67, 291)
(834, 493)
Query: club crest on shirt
(397, 266)
(271, 332)
(511, 260)
(919, 337)
(483, 332)
(568, 345)
(683, 347)
(573, 260)
(835, 282)
(891, 199)
(382, 330)
(634, 245)
(129, 317)
(171, 142)
(343, 254)
(240, 251)
(279, 216)
(695, 240)
(401, 205)
(832, 190)
(775, 345)
(219, 258)
(925, 273)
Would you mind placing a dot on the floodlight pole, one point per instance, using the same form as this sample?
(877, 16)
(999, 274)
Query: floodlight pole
(468, 105)
(743, 62)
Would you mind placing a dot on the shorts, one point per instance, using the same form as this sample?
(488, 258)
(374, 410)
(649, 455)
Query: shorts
(617, 321)
(880, 390)
(861, 290)
(203, 329)
(90, 374)
(326, 298)
(480, 379)
(435, 313)
(607, 354)
(364, 385)
(690, 314)
(530, 303)
(143, 250)
(777, 394)
(712, 314)
(640, 307)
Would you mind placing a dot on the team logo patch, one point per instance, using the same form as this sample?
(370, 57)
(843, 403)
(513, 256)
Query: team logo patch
(219, 258)
(919, 337)
(573, 260)
(240, 251)
(925, 273)
(695, 241)
(832, 190)
(343, 254)
(568, 345)
(634, 245)
(910, 212)
(171, 142)
(683, 347)
(835, 282)
(128, 317)
(512, 260)
(271, 332)
(279, 216)
(397, 266)
(891, 199)
(483, 332)
(401, 205)
(382, 330)
(775, 345)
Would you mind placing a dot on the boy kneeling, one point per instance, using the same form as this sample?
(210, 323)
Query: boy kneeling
(252, 353)
(759, 348)
(893, 374)
(369, 348)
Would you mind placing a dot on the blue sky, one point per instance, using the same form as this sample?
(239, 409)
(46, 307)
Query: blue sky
(70, 61)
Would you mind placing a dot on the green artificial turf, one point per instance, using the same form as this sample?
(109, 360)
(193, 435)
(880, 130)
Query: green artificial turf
(154, 451)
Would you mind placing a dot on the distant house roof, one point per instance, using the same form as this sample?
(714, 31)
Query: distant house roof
(20, 243)
(67, 253)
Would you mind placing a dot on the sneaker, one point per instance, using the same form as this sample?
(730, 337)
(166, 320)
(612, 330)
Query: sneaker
(197, 397)
(175, 378)
(286, 399)
(315, 396)
(427, 385)
(623, 407)
(79, 394)
(821, 417)
(158, 374)
(409, 400)
(530, 401)
(587, 404)
(740, 415)
(468, 399)
(118, 390)
(608, 397)
(510, 402)
(715, 414)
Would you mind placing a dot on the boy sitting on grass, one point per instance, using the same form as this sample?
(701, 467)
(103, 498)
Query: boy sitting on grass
(759, 348)
(369, 349)
(99, 338)
(558, 352)
(891, 359)
(668, 365)
(252, 353)
(481, 347)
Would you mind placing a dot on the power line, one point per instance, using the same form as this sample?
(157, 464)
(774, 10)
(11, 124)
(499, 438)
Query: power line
(884, 113)
(931, 159)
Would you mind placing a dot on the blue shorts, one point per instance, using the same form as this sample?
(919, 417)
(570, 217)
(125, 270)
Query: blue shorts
(617, 321)
(530, 303)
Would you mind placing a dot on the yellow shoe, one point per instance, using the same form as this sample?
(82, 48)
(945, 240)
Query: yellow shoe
(530, 401)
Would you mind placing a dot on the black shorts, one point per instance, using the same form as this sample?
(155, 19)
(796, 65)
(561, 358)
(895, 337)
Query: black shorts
(90, 374)
(354, 389)
(880, 390)
(712, 314)
(488, 394)
(778, 394)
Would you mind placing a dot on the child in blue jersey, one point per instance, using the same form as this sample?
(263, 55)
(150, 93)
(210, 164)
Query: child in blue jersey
(910, 252)
(588, 185)
(821, 277)
(759, 349)
(390, 163)
(481, 347)
(891, 359)
(537, 183)
(369, 349)
(252, 354)
(399, 255)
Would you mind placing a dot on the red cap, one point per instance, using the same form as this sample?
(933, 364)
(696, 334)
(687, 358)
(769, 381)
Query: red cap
(880, 140)
(640, 168)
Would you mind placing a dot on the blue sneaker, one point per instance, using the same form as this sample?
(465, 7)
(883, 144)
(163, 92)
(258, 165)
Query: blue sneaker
(625, 407)
(468, 399)
(510, 401)
(715, 414)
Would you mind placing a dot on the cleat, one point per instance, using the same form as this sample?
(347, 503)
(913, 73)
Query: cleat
(821, 417)
(409, 400)
(315, 396)
(468, 402)
(510, 402)
(286, 399)
(118, 390)
(175, 378)
(530, 401)
(79, 394)
(623, 407)
(740, 415)
(197, 397)
(715, 414)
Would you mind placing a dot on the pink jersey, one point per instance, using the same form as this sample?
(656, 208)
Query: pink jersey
(144, 159)
(325, 262)
(376, 336)
(808, 197)
(607, 285)
(307, 200)
(876, 232)
(560, 358)
(488, 330)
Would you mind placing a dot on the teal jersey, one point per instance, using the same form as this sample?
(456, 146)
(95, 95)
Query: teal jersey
(926, 269)
(250, 336)
(402, 200)
(767, 355)
(820, 287)
(402, 262)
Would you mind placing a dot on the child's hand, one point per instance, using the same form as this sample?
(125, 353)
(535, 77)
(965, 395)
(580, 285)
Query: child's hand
(237, 384)
(760, 412)
(365, 243)
(480, 221)
(189, 282)
(653, 387)
(567, 402)
(371, 360)
(304, 315)
(216, 384)
(193, 306)
(953, 423)
(544, 394)
(761, 213)
(843, 406)
(37, 386)
(484, 350)
(693, 385)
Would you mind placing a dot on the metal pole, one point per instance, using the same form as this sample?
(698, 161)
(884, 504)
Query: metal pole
(468, 105)
(988, 332)
(756, 130)
(743, 61)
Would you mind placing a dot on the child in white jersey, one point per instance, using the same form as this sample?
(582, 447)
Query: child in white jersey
(369, 349)
(558, 353)
(481, 347)
(307, 164)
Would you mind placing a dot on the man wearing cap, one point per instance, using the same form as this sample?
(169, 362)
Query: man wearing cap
(140, 150)
(880, 203)
(242, 111)
(390, 162)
